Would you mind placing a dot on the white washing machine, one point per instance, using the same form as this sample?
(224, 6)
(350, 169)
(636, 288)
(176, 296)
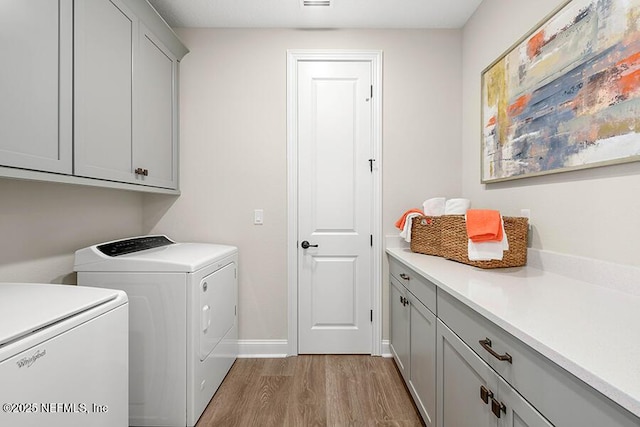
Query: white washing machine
(63, 356)
(183, 327)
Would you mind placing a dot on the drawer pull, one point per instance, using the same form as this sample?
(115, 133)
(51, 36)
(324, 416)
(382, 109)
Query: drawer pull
(486, 344)
(497, 407)
(485, 394)
(404, 276)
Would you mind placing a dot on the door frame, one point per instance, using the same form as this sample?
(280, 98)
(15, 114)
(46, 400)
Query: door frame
(374, 57)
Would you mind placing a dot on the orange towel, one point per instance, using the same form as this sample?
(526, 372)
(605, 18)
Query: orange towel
(400, 223)
(484, 225)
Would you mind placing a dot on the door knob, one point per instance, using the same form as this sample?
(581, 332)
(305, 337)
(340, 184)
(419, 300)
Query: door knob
(306, 245)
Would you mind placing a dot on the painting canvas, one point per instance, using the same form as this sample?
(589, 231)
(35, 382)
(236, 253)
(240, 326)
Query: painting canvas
(567, 96)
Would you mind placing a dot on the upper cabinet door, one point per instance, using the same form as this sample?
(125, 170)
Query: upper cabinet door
(36, 85)
(104, 48)
(155, 148)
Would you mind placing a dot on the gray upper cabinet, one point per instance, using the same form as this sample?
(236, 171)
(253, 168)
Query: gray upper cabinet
(35, 85)
(89, 95)
(125, 97)
(155, 130)
(103, 89)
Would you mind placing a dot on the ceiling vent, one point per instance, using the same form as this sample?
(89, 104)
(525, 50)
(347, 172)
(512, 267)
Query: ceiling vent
(316, 3)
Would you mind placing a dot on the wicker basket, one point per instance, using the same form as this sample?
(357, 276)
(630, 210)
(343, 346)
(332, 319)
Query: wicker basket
(454, 242)
(426, 235)
(446, 236)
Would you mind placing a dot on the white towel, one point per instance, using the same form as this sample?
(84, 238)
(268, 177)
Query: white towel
(434, 206)
(406, 231)
(457, 206)
(488, 251)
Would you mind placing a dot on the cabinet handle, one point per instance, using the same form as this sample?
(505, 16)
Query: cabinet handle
(143, 172)
(497, 407)
(485, 394)
(486, 344)
(404, 276)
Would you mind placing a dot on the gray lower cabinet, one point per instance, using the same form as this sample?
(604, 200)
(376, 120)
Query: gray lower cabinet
(35, 85)
(470, 393)
(413, 340)
(422, 359)
(526, 379)
(399, 337)
(464, 371)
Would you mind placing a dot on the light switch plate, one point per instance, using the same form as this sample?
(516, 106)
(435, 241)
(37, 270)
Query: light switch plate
(258, 217)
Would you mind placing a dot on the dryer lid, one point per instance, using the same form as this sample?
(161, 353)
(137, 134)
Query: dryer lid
(168, 257)
(28, 307)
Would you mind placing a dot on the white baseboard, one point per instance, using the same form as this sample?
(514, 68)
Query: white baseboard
(279, 348)
(386, 350)
(263, 348)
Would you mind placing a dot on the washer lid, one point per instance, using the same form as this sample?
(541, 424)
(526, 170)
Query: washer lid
(176, 257)
(28, 307)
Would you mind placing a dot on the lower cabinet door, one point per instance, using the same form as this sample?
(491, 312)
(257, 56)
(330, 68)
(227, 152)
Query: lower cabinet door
(517, 412)
(399, 337)
(463, 382)
(422, 359)
(470, 393)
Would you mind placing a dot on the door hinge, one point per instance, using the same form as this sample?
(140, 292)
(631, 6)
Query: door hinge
(371, 239)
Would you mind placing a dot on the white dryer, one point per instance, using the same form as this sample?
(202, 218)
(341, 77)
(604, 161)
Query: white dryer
(183, 328)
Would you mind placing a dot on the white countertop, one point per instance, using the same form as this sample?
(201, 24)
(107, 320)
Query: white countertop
(589, 330)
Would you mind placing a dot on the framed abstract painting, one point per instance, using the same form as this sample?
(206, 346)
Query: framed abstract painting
(567, 95)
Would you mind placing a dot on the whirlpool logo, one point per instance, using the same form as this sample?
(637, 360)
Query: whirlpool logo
(28, 361)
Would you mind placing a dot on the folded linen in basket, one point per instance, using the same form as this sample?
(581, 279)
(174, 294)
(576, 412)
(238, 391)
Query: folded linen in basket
(400, 222)
(457, 206)
(434, 206)
(488, 251)
(406, 231)
(484, 225)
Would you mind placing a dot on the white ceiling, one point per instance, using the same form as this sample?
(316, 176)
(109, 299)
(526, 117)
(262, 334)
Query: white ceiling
(341, 13)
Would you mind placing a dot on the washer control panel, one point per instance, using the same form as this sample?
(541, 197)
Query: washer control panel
(136, 244)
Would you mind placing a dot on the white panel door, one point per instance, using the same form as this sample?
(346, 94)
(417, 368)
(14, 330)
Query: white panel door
(103, 89)
(334, 207)
(35, 84)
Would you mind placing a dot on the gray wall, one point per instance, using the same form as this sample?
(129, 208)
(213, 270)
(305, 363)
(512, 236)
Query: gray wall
(233, 145)
(592, 213)
(43, 224)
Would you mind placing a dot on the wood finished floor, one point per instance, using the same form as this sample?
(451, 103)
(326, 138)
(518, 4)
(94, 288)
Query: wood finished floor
(312, 390)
